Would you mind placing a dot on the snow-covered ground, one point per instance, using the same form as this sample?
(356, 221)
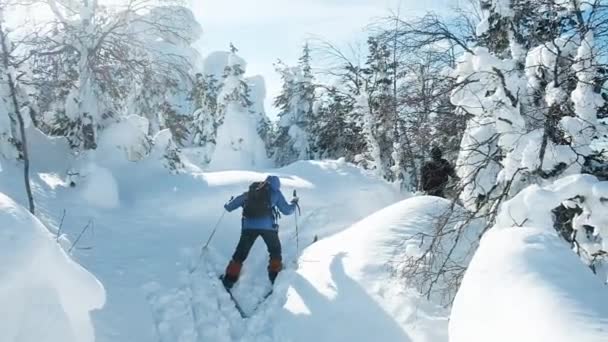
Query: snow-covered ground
(146, 225)
(139, 230)
(342, 288)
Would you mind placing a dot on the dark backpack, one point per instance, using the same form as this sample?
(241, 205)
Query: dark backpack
(435, 174)
(258, 203)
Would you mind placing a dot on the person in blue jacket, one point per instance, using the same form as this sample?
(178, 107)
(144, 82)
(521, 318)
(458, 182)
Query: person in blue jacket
(261, 206)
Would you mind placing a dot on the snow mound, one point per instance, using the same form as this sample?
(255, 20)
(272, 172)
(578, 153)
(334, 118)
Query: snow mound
(129, 136)
(349, 275)
(239, 145)
(533, 205)
(100, 188)
(524, 284)
(45, 295)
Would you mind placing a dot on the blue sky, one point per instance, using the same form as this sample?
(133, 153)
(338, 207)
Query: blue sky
(265, 30)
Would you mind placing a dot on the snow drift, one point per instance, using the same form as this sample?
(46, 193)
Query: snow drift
(525, 284)
(346, 280)
(45, 295)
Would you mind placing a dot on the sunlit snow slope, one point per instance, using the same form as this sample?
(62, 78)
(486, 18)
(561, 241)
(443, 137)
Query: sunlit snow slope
(344, 289)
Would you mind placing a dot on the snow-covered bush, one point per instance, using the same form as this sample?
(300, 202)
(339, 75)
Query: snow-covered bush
(438, 251)
(165, 150)
(522, 265)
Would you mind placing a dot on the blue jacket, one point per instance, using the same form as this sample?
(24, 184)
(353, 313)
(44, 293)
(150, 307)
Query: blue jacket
(277, 200)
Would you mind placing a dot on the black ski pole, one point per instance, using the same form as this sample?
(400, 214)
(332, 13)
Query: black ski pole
(214, 230)
(204, 248)
(295, 195)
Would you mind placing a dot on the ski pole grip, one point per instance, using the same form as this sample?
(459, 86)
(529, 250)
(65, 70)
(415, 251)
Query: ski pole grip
(295, 194)
(230, 200)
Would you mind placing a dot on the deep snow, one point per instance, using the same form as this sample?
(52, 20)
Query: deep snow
(45, 295)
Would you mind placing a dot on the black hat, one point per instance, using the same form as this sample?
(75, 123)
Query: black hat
(436, 152)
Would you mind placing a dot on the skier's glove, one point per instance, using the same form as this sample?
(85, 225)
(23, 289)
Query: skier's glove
(295, 200)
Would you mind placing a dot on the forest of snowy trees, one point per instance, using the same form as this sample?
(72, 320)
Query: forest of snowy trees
(513, 91)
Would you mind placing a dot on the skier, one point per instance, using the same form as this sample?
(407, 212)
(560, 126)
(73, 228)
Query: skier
(260, 216)
(435, 174)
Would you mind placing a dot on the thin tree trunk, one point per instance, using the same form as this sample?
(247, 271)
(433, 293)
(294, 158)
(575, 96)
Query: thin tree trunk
(24, 150)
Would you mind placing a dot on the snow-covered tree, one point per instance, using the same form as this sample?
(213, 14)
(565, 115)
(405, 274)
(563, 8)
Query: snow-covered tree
(365, 92)
(528, 82)
(531, 119)
(337, 134)
(379, 114)
(296, 118)
(238, 140)
(532, 90)
(119, 58)
(205, 121)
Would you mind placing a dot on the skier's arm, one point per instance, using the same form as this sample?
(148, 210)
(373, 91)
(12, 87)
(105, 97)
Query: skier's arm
(452, 171)
(423, 178)
(284, 207)
(235, 202)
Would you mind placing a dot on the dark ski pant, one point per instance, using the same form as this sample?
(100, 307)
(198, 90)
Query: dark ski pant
(246, 241)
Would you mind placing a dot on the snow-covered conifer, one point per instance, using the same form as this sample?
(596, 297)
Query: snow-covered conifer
(296, 117)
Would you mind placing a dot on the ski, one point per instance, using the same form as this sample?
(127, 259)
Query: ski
(236, 302)
(261, 301)
(237, 305)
